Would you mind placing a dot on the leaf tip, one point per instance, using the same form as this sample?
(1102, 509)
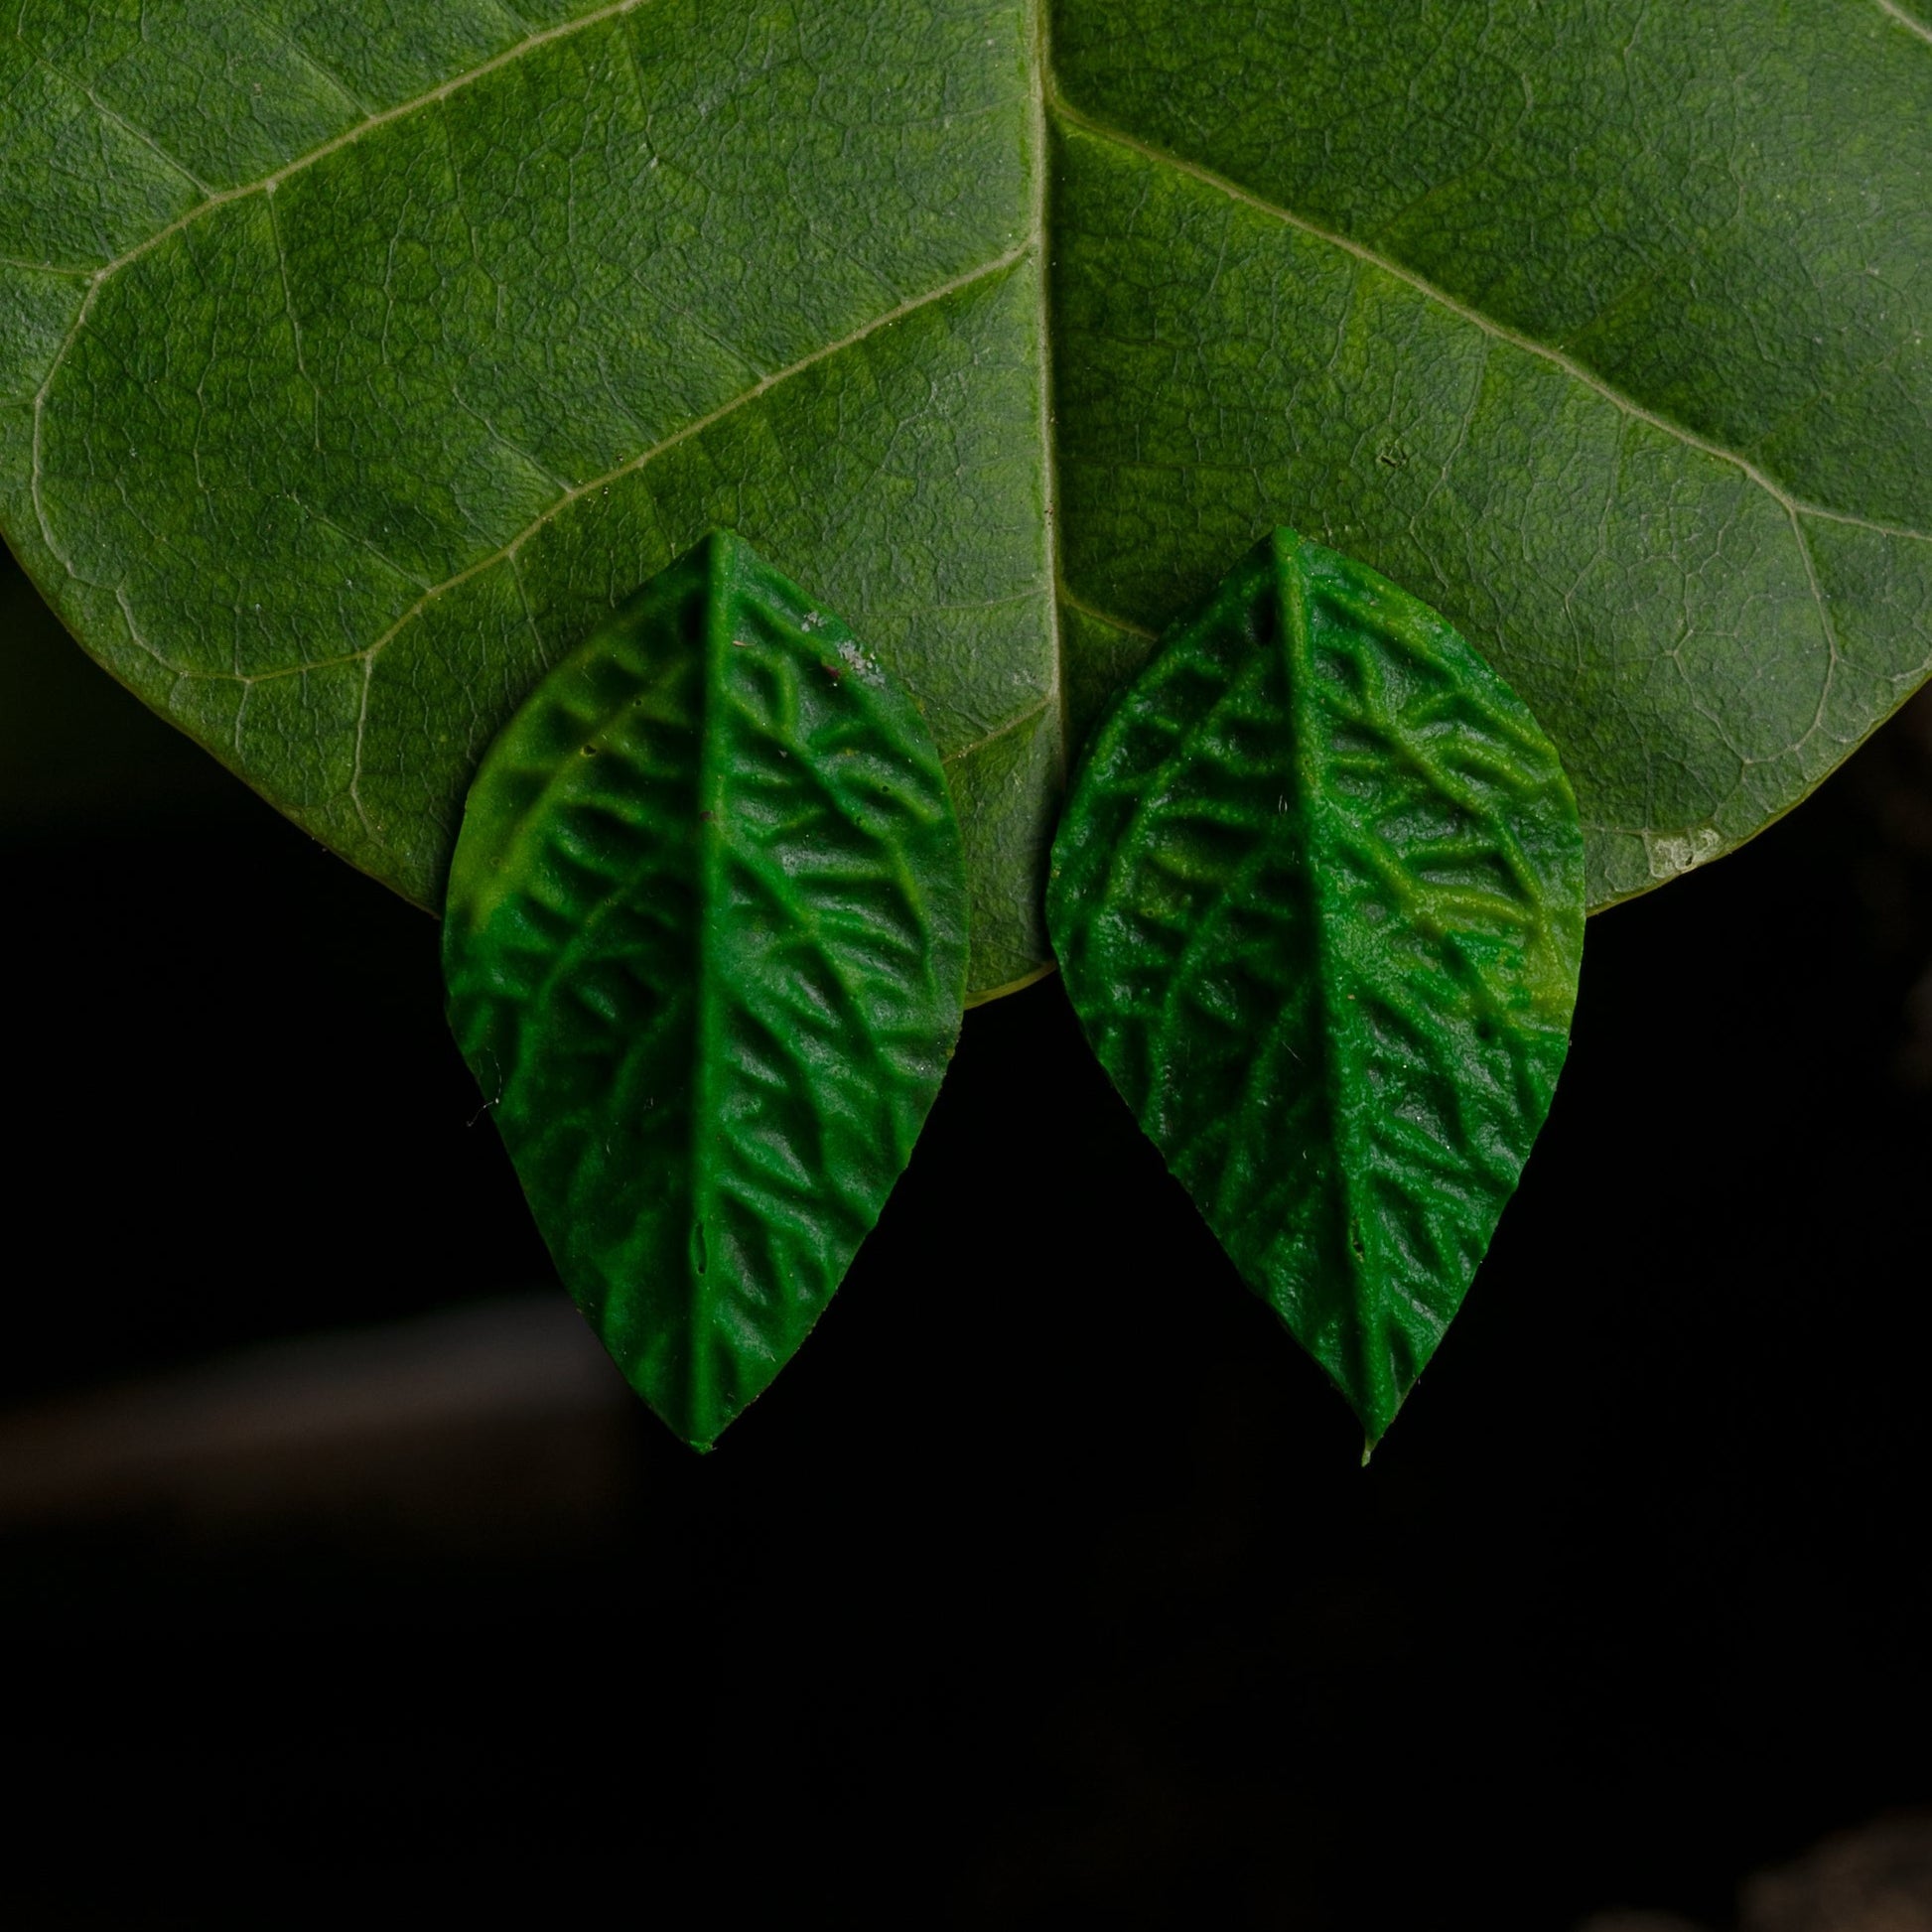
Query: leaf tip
(1283, 542)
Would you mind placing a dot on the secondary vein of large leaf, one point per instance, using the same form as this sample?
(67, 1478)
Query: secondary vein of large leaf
(1794, 506)
(266, 183)
(1905, 20)
(507, 552)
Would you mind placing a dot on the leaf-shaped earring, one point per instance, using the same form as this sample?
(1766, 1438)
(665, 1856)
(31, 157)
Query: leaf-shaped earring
(1318, 900)
(706, 955)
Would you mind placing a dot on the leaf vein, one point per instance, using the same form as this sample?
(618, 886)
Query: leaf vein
(1905, 20)
(696, 427)
(1099, 615)
(220, 198)
(1577, 372)
(999, 731)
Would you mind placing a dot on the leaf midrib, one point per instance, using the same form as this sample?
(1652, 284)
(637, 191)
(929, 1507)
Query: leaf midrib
(707, 1037)
(1046, 101)
(1306, 760)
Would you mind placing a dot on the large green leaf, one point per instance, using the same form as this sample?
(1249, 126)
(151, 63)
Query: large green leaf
(706, 950)
(355, 355)
(1319, 897)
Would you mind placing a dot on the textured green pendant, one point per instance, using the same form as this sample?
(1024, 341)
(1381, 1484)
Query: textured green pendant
(706, 956)
(1318, 898)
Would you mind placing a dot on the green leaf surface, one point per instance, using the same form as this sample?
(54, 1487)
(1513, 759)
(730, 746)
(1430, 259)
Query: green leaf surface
(706, 953)
(1318, 898)
(357, 355)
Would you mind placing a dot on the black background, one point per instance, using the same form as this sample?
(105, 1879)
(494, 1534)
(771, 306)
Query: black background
(1044, 1588)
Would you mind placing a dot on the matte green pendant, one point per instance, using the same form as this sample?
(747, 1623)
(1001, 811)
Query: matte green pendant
(706, 956)
(1318, 898)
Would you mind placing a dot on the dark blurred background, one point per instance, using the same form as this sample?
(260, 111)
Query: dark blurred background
(338, 1568)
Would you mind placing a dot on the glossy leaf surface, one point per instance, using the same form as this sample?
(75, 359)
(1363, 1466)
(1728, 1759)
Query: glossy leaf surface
(1319, 901)
(356, 355)
(706, 952)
